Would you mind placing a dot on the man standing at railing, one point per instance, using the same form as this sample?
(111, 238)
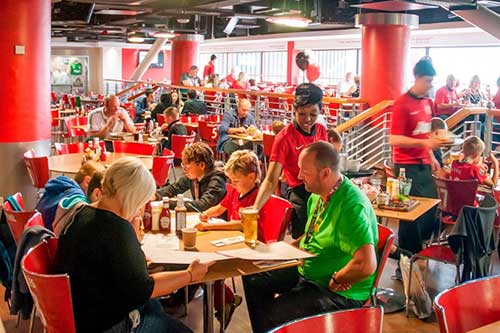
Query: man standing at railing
(209, 68)
(285, 154)
(412, 150)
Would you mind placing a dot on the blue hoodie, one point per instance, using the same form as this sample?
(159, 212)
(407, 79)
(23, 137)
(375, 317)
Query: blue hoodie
(56, 189)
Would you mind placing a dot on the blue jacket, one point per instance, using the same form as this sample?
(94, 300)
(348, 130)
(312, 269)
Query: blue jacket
(56, 189)
(231, 120)
(141, 105)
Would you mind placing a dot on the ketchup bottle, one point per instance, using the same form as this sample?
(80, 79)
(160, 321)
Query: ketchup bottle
(165, 216)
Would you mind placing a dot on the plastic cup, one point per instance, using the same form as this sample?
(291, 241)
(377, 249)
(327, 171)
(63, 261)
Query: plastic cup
(156, 207)
(250, 221)
(405, 187)
(189, 237)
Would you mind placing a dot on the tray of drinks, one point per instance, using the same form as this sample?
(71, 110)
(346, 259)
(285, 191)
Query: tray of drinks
(400, 206)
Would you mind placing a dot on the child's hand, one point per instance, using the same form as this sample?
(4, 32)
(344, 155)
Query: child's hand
(493, 159)
(203, 217)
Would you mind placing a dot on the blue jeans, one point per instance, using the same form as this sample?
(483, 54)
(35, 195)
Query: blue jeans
(152, 319)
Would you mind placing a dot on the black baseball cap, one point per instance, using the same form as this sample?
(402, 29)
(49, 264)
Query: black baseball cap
(307, 94)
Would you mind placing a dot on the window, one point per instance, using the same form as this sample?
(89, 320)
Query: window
(334, 64)
(274, 66)
(247, 62)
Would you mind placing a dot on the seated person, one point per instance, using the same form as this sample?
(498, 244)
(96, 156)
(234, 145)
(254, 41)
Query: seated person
(335, 139)
(171, 126)
(193, 105)
(243, 170)
(235, 122)
(62, 187)
(111, 288)
(472, 166)
(68, 206)
(109, 119)
(165, 102)
(143, 104)
(202, 178)
(341, 231)
(277, 126)
(438, 126)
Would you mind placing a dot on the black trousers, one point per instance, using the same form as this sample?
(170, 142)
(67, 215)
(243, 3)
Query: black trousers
(411, 235)
(297, 298)
(298, 197)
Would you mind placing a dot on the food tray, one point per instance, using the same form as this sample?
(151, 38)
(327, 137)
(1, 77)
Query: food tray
(405, 206)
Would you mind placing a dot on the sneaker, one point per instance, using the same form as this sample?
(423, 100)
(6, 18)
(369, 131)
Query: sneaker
(229, 310)
(397, 275)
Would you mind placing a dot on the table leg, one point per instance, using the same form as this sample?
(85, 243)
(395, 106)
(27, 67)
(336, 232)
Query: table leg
(208, 308)
(223, 298)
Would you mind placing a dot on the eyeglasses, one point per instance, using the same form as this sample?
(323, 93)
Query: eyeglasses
(185, 166)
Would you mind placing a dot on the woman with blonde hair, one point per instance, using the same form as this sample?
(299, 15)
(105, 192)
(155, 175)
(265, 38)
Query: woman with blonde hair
(473, 94)
(110, 285)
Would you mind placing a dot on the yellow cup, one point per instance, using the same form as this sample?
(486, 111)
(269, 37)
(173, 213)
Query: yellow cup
(250, 221)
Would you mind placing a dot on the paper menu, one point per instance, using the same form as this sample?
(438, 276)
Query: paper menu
(158, 255)
(273, 251)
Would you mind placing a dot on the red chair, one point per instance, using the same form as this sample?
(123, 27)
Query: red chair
(74, 148)
(385, 241)
(139, 148)
(17, 221)
(268, 146)
(188, 119)
(454, 195)
(160, 118)
(38, 170)
(73, 132)
(161, 167)
(468, 306)
(274, 217)
(18, 197)
(179, 142)
(36, 219)
(361, 320)
(51, 292)
(209, 133)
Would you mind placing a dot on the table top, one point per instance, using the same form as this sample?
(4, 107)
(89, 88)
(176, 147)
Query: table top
(82, 127)
(490, 328)
(71, 163)
(425, 205)
(246, 138)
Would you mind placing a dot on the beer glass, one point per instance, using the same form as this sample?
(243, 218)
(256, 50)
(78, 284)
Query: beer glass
(250, 221)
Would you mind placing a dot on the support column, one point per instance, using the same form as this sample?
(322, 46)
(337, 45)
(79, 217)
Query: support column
(152, 53)
(292, 70)
(185, 49)
(24, 90)
(385, 46)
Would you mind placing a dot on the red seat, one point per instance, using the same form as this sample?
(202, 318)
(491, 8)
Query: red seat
(161, 167)
(468, 306)
(38, 169)
(34, 220)
(139, 126)
(179, 142)
(75, 132)
(385, 241)
(18, 197)
(361, 320)
(209, 133)
(17, 221)
(73, 148)
(188, 119)
(268, 141)
(139, 148)
(454, 195)
(51, 292)
(160, 117)
(274, 217)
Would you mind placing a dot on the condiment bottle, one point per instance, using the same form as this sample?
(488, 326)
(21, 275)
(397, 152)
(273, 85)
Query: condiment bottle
(180, 215)
(165, 216)
(146, 221)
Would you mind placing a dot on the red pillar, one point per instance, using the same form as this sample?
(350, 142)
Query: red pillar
(184, 55)
(292, 70)
(385, 45)
(24, 88)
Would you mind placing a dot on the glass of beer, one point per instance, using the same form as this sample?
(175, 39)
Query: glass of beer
(250, 221)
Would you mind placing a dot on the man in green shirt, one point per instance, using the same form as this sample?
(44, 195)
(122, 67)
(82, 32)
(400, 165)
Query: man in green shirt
(341, 231)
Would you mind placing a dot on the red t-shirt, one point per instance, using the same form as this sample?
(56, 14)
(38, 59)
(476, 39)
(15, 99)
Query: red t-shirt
(411, 117)
(467, 171)
(208, 70)
(287, 146)
(230, 80)
(233, 202)
(445, 96)
(243, 86)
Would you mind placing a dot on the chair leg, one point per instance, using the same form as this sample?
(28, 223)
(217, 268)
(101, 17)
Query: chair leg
(234, 285)
(186, 300)
(412, 260)
(457, 277)
(32, 318)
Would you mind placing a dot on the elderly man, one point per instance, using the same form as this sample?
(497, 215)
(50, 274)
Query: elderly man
(190, 78)
(285, 153)
(342, 233)
(109, 118)
(235, 122)
(446, 100)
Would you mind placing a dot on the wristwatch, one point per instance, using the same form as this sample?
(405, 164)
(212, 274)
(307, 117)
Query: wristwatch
(333, 278)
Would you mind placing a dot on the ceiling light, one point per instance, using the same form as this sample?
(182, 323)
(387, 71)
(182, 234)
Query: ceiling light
(164, 34)
(290, 21)
(136, 37)
(183, 20)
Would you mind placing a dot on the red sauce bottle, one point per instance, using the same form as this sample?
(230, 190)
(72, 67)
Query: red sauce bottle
(165, 216)
(147, 217)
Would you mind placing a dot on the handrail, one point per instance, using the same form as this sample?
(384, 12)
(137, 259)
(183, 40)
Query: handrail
(363, 116)
(140, 93)
(494, 112)
(463, 113)
(126, 90)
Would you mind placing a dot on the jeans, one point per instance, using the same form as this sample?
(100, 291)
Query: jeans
(298, 298)
(152, 318)
(298, 197)
(411, 235)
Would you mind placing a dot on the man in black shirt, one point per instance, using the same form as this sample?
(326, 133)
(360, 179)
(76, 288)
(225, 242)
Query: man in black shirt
(171, 126)
(193, 105)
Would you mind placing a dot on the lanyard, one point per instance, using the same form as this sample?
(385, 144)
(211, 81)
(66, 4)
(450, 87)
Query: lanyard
(316, 218)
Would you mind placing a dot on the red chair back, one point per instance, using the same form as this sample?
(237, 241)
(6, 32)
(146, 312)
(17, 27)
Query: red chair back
(75, 121)
(209, 132)
(139, 148)
(17, 222)
(38, 169)
(455, 194)
(179, 142)
(18, 197)
(53, 96)
(161, 167)
(160, 117)
(274, 217)
(348, 321)
(51, 292)
(36, 219)
(54, 113)
(385, 241)
(268, 143)
(139, 126)
(188, 119)
(468, 306)
(74, 148)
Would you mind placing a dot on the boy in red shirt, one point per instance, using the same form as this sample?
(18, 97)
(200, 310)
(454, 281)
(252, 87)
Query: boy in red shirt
(412, 150)
(472, 167)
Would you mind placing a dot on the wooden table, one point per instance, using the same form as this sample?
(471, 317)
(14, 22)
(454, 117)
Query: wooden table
(425, 205)
(81, 127)
(255, 141)
(490, 328)
(71, 163)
